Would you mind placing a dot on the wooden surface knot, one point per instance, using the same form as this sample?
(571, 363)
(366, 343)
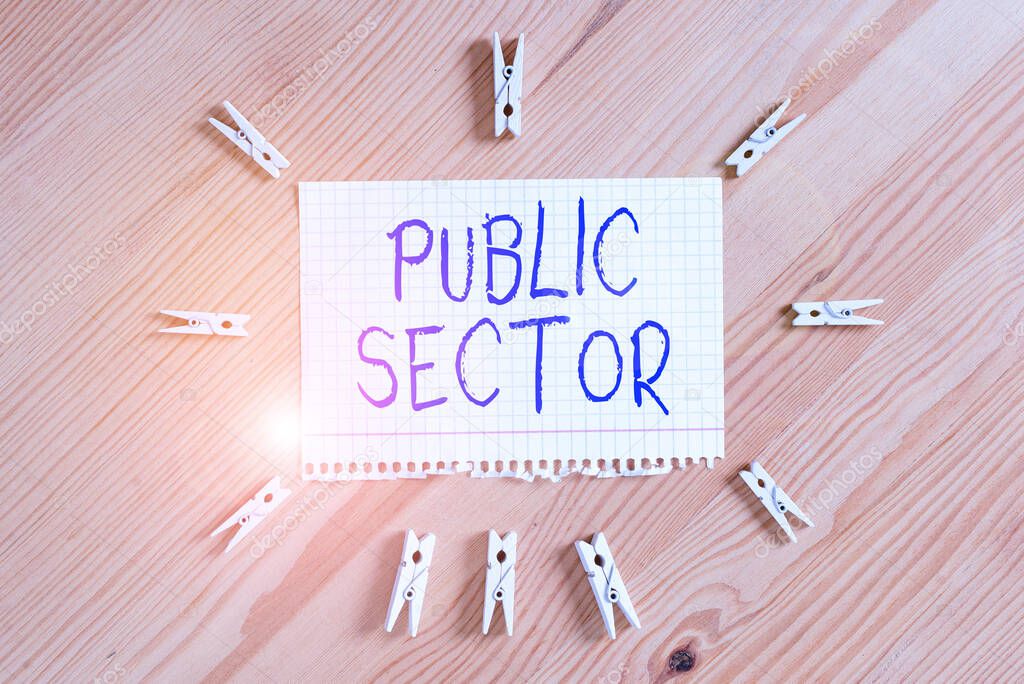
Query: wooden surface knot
(682, 660)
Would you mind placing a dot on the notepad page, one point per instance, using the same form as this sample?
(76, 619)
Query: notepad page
(439, 337)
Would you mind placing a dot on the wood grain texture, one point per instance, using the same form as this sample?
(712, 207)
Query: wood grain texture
(121, 449)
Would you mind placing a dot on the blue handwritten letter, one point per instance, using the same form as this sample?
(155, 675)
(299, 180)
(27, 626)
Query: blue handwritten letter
(460, 363)
(581, 232)
(540, 324)
(599, 260)
(400, 256)
(510, 252)
(639, 384)
(618, 361)
(444, 265)
(536, 292)
(415, 368)
(388, 400)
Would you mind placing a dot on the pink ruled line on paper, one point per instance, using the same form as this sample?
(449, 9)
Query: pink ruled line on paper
(502, 432)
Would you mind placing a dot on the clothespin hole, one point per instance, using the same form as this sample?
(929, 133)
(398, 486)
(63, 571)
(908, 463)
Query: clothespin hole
(417, 557)
(507, 111)
(748, 154)
(193, 322)
(501, 556)
(760, 483)
(815, 313)
(267, 498)
(225, 324)
(244, 519)
(599, 560)
(266, 156)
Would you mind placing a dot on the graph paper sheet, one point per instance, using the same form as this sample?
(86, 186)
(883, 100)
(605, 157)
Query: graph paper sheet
(522, 328)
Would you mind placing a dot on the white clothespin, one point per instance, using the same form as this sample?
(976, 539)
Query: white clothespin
(606, 582)
(252, 142)
(774, 499)
(836, 312)
(500, 584)
(508, 89)
(411, 580)
(762, 140)
(203, 323)
(253, 511)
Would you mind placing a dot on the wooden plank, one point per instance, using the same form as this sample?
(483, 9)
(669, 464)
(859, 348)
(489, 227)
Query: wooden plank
(122, 449)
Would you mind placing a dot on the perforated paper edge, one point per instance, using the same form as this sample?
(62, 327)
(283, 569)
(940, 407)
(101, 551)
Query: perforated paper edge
(527, 470)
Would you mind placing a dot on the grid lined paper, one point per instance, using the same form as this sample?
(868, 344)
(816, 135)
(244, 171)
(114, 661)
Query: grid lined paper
(348, 290)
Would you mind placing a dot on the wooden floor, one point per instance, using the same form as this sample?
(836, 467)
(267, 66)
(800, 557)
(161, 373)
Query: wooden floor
(121, 449)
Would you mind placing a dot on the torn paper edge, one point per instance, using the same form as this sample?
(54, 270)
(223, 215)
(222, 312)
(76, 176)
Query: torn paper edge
(527, 470)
